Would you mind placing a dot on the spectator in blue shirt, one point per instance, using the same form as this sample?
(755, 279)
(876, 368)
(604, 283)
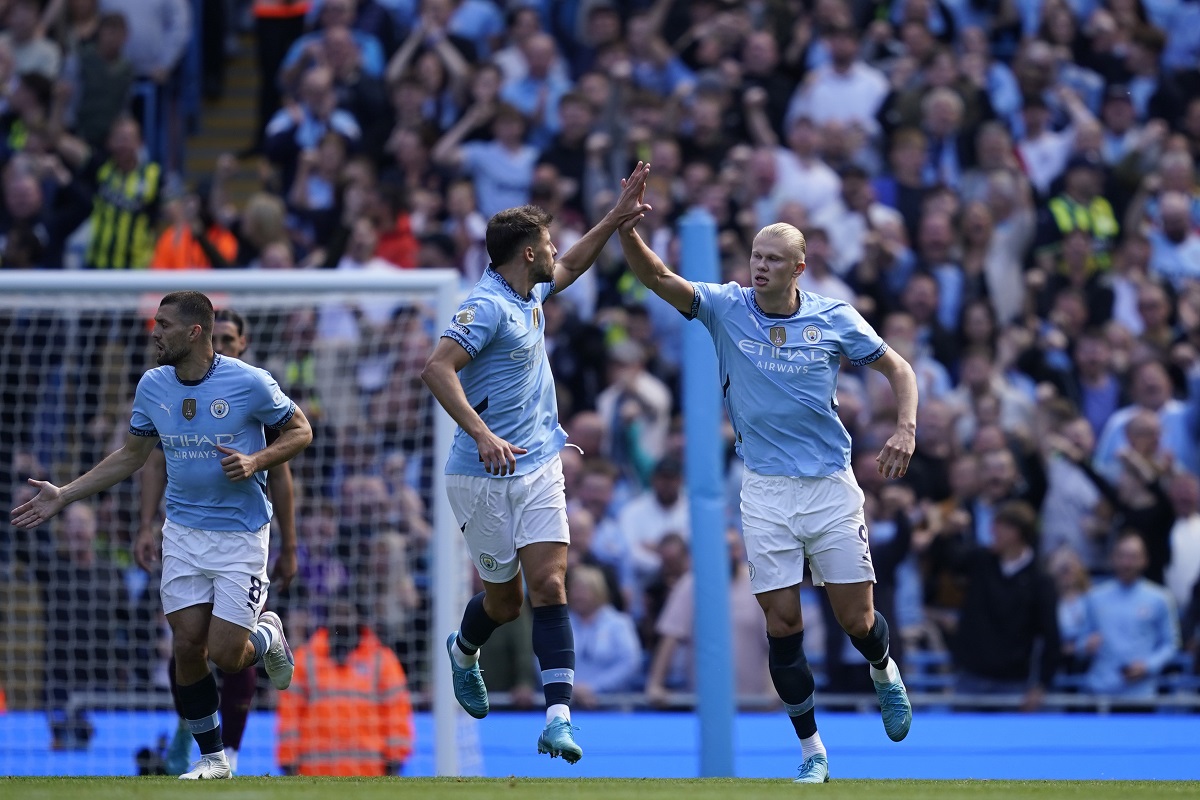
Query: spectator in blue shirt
(300, 127)
(1132, 630)
(539, 91)
(306, 51)
(502, 169)
(608, 656)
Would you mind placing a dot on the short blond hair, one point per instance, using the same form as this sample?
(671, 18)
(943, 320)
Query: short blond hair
(592, 577)
(792, 238)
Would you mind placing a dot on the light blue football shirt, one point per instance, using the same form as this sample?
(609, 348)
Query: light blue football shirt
(779, 376)
(508, 380)
(229, 406)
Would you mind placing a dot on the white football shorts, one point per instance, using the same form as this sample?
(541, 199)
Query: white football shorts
(225, 568)
(785, 519)
(499, 516)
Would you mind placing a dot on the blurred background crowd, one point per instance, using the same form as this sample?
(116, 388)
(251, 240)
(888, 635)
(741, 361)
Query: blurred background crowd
(1006, 189)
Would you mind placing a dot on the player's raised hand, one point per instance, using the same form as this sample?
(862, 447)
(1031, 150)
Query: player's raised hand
(42, 507)
(237, 466)
(498, 456)
(894, 457)
(147, 549)
(631, 204)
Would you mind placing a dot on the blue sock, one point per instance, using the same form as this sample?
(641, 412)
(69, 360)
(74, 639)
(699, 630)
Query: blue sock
(476, 626)
(199, 702)
(794, 681)
(554, 646)
(874, 646)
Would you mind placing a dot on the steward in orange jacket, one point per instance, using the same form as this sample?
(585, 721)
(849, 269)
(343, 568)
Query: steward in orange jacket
(348, 710)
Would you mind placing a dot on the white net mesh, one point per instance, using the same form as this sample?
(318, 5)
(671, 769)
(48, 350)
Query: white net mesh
(84, 645)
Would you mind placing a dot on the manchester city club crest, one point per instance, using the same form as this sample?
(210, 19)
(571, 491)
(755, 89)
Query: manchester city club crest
(219, 409)
(466, 316)
(812, 334)
(779, 336)
(488, 562)
(189, 409)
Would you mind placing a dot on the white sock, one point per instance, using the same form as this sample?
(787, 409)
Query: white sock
(463, 660)
(558, 710)
(889, 674)
(811, 747)
(267, 633)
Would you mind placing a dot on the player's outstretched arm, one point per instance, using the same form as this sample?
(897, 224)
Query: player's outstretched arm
(112, 470)
(629, 205)
(653, 273)
(894, 457)
(441, 376)
(294, 436)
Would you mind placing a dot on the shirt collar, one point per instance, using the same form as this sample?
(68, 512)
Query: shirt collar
(211, 368)
(794, 314)
(1010, 568)
(496, 276)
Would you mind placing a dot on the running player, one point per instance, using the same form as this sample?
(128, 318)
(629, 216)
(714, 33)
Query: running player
(230, 338)
(209, 412)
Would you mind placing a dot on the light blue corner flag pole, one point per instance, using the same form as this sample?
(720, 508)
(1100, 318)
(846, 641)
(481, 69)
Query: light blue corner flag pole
(710, 556)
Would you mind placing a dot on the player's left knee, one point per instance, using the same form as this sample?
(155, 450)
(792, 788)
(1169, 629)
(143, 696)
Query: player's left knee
(228, 659)
(862, 625)
(859, 625)
(551, 590)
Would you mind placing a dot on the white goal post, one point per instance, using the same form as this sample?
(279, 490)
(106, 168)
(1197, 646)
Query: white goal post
(85, 294)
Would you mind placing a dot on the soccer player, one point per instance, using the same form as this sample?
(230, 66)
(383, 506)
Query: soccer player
(779, 350)
(504, 477)
(209, 412)
(230, 339)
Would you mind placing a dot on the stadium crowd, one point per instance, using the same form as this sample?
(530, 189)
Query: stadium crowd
(1006, 189)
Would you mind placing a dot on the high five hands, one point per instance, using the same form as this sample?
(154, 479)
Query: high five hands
(631, 206)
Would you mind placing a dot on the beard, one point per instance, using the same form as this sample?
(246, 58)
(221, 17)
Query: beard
(171, 357)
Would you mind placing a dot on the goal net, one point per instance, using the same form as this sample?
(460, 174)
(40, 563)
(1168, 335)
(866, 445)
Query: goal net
(84, 645)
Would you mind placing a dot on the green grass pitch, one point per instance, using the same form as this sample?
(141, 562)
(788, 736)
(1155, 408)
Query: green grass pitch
(566, 789)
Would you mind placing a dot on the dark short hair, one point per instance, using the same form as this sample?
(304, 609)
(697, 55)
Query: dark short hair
(512, 229)
(229, 315)
(194, 307)
(114, 20)
(1021, 517)
(574, 97)
(510, 113)
(41, 87)
(1151, 38)
(668, 467)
